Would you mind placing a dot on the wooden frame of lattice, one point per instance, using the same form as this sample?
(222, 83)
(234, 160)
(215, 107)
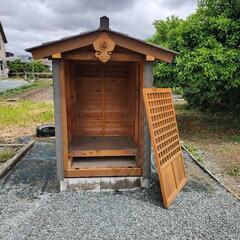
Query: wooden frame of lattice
(165, 140)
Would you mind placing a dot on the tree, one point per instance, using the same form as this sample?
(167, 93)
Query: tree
(16, 66)
(36, 66)
(208, 64)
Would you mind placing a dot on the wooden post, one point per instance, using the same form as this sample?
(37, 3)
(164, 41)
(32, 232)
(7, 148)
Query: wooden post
(57, 114)
(147, 83)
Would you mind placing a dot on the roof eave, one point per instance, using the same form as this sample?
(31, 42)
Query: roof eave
(3, 33)
(169, 54)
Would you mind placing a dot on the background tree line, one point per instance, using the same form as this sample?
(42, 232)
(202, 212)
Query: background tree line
(207, 68)
(36, 66)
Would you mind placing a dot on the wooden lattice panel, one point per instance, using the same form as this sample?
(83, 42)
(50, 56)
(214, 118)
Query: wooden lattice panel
(165, 140)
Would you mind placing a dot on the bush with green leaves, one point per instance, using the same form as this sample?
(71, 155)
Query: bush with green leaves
(208, 65)
(36, 66)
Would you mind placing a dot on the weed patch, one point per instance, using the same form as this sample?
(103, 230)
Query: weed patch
(234, 171)
(194, 152)
(6, 154)
(25, 113)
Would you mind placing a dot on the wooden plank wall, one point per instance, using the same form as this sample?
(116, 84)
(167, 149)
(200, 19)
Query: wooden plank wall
(70, 98)
(118, 93)
(104, 100)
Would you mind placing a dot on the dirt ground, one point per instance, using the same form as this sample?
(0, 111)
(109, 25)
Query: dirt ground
(220, 159)
(12, 134)
(214, 141)
(35, 95)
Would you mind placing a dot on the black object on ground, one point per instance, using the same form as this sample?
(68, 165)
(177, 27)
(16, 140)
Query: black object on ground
(47, 130)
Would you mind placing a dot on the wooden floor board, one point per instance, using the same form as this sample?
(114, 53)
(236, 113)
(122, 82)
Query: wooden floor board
(89, 146)
(104, 162)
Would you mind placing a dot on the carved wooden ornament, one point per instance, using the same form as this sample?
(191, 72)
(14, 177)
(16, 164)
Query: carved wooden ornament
(103, 46)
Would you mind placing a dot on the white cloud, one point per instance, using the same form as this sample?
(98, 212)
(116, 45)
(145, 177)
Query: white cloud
(31, 22)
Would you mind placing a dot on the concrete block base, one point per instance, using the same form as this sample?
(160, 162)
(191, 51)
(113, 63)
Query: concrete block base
(98, 184)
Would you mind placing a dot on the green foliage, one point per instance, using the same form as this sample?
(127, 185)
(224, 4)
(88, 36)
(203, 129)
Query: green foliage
(234, 170)
(208, 66)
(36, 66)
(6, 154)
(16, 66)
(32, 66)
(195, 153)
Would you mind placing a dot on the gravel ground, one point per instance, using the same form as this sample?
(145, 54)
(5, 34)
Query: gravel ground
(32, 208)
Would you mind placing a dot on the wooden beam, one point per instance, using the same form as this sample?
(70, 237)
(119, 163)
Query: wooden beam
(150, 58)
(56, 56)
(64, 45)
(87, 39)
(57, 117)
(142, 47)
(103, 153)
(103, 172)
(64, 125)
(90, 56)
(147, 83)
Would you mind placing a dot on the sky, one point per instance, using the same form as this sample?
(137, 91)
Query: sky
(31, 22)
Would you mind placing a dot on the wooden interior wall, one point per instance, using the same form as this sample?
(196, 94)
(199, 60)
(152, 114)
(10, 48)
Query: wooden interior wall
(70, 97)
(103, 102)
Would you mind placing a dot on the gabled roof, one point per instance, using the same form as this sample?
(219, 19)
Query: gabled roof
(87, 38)
(2, 33)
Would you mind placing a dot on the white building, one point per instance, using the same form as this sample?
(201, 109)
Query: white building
(3, 63)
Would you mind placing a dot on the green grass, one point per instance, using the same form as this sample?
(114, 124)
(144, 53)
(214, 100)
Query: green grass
(234, 138)
(25, 112)
(194, 124)
(6, 154)
(234, 171)
(194, 152)
(34, 85)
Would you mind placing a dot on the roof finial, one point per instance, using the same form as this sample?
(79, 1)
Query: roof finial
(104, 23)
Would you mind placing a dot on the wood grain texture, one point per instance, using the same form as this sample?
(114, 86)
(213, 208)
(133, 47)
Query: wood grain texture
(104, 172)
(165, 140)
(104, 47)
(104, 101)
(89, 146)
(64, 126)
(115, 56)
(83, 40)
(104, 162)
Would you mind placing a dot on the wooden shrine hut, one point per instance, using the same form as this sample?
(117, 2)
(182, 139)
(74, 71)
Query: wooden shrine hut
(102, 133)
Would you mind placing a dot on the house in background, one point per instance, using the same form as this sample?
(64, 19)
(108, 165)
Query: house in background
(47, 63)
(9, 54)
(3, 63)
(22, 58)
